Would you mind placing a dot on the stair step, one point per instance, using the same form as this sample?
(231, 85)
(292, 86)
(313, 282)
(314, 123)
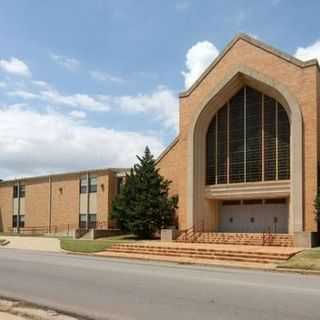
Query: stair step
(200, 256)
(200, 250)
(204, 254)
(283, 240)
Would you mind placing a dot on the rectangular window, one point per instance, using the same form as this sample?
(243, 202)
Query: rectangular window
(276, 201)
(92, 184)
(252, 201)
(15, 191)
(22, 191)
(83, 184)
(92, 221)
(21, 221)
(83, 220)
(231, 202)
(120, 183)
(14, 221)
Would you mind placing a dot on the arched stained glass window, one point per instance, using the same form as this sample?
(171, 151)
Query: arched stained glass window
(248, 140)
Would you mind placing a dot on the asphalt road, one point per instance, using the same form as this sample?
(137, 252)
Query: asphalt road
(104, 288)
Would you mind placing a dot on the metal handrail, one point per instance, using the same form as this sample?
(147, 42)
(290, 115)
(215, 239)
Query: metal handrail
(67, 227)
(267, 237)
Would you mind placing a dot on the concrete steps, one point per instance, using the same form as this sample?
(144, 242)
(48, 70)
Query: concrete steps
(200, 253)
(258, 239)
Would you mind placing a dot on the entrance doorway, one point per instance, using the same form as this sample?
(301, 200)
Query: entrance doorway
(254, 216)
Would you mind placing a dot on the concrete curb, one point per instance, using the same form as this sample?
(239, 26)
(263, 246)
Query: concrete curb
(300, 271)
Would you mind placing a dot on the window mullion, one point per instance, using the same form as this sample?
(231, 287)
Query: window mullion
(228, 142)
(245, 135)
(277, 140)
(262, 137)
(216, 155)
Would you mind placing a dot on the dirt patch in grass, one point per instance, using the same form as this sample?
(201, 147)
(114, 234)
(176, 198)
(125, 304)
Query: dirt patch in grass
(308, 260)
(123, 237)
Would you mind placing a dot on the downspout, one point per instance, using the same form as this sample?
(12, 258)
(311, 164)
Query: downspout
(50, 204)
(18, 213)
(88, 200)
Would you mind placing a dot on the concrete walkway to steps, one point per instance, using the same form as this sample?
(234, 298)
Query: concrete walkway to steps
(32, 243)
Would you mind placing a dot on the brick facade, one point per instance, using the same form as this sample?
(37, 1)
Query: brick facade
(300, 79)
(53, 202)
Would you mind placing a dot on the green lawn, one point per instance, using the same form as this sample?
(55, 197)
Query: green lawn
(308, 260)
(87, 246)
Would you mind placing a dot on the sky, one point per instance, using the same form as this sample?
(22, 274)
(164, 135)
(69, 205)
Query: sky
(88, 84)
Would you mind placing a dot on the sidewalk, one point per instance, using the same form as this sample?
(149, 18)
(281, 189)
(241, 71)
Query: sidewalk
(33, 243)
(7, 316)
(14, 310)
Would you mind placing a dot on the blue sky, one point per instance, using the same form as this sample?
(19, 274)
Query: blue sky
(87, 84)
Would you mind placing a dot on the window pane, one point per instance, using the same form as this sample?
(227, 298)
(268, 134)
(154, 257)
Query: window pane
(211, 153)
(22, 191)
(21, 221)
(15, 191)
(14, 221)
(92, 220)
(236, 125)
(222, 144)
(253, 135)
(83, 184)
(83, 221)
(283, 144)
(269, 138)
(92, 184)
(120, 183)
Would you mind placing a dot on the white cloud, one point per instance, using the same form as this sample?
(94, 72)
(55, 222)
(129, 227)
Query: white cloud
(71, 64)
(308, 53)
(78, 114)
(23, 94)
(103, 76)
(15, 66)
(162, 104)
(54, 97)
(76, 100)
(198, 59)
(56, 143)
(41, 84)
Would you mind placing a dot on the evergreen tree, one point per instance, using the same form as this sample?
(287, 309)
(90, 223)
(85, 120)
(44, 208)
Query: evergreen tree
(143, 205)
